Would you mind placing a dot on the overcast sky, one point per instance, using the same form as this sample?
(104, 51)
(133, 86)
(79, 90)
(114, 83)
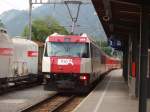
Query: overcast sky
(13, 4)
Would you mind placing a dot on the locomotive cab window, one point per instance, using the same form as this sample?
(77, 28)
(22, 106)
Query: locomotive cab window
(68, 49)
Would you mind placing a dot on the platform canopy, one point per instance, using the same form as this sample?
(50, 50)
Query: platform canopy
(129, 21)
(120, 17)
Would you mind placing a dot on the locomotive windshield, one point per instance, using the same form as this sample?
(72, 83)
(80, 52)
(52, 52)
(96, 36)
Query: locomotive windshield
(67, 49)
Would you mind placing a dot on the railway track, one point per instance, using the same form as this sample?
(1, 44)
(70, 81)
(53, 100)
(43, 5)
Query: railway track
(60, 102)
(53, 104)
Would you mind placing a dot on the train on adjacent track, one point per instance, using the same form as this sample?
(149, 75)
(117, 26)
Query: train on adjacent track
(18, 60)
(72, 63)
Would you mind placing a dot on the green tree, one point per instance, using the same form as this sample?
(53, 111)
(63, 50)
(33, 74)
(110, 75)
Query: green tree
(43, 27)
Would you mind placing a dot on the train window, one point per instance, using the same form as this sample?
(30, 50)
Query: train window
(95, 51)
(92, 50)
(68, 49)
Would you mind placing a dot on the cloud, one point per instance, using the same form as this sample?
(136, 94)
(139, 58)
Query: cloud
(13, 4)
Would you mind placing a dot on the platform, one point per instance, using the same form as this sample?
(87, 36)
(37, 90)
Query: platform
(20, 100)
(111, 95)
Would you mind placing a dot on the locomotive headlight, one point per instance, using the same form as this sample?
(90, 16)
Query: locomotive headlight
(47, 76)
(83, 77)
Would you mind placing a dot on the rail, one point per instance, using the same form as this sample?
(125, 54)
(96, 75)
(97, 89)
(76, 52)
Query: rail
(52, 104)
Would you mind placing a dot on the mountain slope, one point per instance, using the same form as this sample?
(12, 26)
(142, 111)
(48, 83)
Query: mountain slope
(16, 20)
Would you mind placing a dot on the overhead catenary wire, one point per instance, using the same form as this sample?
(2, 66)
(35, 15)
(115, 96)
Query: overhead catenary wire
(91, 26)
(61, 14)
(58, 1)
(79, 27)
(86, 18)
(51, 2)
(88, 21)
(68, 22)
(74, 19)
(54, 14)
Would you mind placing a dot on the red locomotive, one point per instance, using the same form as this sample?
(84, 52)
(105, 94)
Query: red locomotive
(73, 63)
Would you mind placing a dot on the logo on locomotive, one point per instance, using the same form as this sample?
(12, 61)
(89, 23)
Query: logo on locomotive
(65, 62)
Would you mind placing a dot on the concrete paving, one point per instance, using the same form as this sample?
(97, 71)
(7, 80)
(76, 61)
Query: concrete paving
(148, 105)
(111, 95)
(20, 100)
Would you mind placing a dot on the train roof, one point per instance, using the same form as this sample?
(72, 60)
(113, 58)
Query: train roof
(23, 41)
(65, 38)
